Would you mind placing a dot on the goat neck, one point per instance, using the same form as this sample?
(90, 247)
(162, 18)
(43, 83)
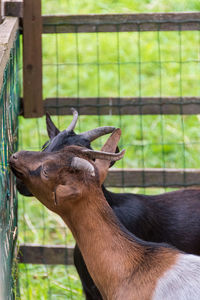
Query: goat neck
(110, 253)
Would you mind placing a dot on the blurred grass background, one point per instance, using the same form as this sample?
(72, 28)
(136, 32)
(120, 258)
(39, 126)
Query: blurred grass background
(110, 64)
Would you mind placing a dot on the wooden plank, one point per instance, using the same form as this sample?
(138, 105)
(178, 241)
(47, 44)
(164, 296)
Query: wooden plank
(48, 254)
(32, 59)
(13, 8)
(8, 31)
(124, 105)
(121, 22)
(153, 178)
(112, 22)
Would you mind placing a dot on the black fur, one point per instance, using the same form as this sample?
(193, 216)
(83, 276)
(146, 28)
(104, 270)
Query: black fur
(35, 172)
(172, 218)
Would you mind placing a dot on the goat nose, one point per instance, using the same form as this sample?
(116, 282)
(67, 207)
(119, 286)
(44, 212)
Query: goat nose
(14, 156)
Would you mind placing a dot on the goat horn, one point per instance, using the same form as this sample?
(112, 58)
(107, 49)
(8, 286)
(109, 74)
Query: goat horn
(104, 155)
(82, 164)
(93, 134)
(74, 121)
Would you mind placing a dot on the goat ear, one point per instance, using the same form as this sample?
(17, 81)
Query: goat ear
(109, 146)
(113, 162)
(51, 128)
(62, 193)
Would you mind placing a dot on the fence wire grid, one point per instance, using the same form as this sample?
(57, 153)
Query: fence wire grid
(9, 110)
(146, 83)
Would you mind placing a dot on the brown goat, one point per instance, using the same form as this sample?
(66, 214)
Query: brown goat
(122, 266)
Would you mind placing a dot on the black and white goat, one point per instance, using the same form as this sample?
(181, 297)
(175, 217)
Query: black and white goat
(68, 182)
(170, 217)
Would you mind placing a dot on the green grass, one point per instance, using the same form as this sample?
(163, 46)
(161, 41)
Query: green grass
(49, 282)
(117, 6)
(105, 64)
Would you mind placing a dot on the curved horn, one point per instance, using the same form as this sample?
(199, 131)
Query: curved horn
(82, 164)
(51, 128)
(93, 134)
(104, 155)
(74, 121)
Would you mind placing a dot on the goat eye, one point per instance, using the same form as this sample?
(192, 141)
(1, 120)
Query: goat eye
(45, 173)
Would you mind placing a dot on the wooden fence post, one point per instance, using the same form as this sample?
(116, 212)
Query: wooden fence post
(32, 59)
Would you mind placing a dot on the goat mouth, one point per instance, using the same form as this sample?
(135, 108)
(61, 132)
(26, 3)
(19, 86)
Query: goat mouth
(17, 173)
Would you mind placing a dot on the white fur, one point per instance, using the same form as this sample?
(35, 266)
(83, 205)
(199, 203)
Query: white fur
(182, 281)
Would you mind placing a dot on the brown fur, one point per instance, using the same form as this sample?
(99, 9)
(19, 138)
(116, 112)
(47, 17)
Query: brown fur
(117, 263)
(122, 266)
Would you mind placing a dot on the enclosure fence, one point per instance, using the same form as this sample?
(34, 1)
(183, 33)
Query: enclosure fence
(9, 111)
(162, 81)
(137, 72)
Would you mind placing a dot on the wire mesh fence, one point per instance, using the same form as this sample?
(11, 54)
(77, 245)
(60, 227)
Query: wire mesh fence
(146, 83)
(9, 109)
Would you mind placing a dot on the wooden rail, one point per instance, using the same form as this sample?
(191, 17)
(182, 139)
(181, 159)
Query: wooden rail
(13, 8)
(124, 105)
(112, 22)
(157, 177)
(48, 254)
(121, 22)
(8, 31)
